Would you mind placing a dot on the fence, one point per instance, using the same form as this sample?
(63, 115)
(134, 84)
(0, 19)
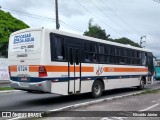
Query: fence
(4, 74)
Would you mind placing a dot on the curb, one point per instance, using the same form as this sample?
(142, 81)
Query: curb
(9, 91)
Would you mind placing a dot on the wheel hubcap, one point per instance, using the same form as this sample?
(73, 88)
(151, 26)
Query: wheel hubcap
(142, 84)
(97, 89)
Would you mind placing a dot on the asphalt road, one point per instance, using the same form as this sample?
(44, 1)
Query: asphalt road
(23, 101)
(146, 104)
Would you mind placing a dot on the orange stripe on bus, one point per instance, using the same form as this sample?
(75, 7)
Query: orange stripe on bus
(83, 69)
(33, 68)
(112, 69)
(56, 68)
(13, 68)
(87, 69)
(65, 69)
(71, 69)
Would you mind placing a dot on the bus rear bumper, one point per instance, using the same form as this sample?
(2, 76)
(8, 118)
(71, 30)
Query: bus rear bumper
(44, 86)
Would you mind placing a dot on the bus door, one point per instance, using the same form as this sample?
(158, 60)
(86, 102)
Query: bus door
(74, 70)
(150, 67)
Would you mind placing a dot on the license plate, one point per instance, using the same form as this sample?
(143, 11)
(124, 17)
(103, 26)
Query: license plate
(22, 68)
(23, 78)
(24, 84)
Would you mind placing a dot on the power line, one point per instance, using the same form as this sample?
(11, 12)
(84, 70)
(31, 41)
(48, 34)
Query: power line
(43, 18)
(137, 32)
(153, 43)
(30, 15)
(67, 25)
(108, 16)
(97, 17)
(157, 1)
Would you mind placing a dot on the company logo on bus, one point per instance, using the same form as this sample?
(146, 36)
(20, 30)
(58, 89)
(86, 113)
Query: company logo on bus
(24, 38)
(99, 70)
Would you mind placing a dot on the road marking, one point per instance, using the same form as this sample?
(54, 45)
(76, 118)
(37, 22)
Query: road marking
(156, 100)
(113, 118)
(9, 91)
(119, 118)
(17, 118)
(150, 107)
(106, 118)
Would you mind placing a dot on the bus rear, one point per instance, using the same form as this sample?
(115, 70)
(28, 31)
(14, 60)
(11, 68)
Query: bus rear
(24, 54)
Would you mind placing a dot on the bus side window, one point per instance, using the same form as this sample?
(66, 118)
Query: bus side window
(101, 53)
(144, 59)
(94, 52)
(87, 56)
(58, 50)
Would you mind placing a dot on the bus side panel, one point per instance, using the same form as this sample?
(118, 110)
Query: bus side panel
(88, 77)
(120, 83)
(86, 86)
(59, 84)
(113, 76)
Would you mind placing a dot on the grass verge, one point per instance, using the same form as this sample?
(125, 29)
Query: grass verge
(6, 88)
(150, 92)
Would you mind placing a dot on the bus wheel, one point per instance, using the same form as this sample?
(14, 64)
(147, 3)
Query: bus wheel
(142, 83)
(97, 89)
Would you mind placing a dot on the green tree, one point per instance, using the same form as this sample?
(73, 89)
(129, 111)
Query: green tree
(126, 41)
(95, 31)
(8, 25)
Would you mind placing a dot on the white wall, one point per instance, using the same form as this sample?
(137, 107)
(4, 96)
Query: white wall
(4, 75)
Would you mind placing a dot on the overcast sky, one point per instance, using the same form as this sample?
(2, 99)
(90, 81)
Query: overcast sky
(120, 18)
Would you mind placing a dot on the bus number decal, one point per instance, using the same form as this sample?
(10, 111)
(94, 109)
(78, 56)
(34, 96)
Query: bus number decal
(110, 69)
(28, 46)
(22, 68)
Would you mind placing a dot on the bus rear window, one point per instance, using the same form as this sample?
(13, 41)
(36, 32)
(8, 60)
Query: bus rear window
(25, 42)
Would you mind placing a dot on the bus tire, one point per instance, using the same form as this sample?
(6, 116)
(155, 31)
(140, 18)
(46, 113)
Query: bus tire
(97, 89)
(29, 91)
(141, 85)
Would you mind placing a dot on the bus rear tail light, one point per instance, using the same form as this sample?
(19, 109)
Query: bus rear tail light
(42, 71)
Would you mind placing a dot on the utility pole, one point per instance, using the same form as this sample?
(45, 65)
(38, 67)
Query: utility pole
(57, 19)
(157, 1)
(142, 41)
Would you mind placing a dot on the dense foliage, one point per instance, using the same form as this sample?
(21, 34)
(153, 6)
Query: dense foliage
(126, 41)
(97, 32)
(8, 25)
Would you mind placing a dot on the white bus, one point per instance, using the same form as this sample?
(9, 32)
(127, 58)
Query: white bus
(58, 62)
